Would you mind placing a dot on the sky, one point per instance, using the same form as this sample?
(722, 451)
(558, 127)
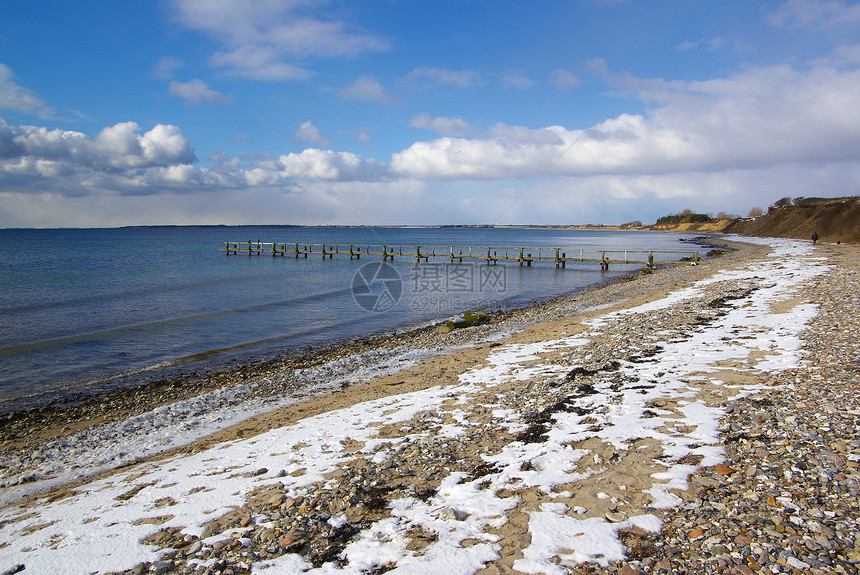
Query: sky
(421, 113)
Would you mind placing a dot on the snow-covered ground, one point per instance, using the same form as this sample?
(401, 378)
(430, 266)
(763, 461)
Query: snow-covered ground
(99, 529)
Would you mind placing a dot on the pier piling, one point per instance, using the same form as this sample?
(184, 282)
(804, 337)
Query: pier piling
(491, 255)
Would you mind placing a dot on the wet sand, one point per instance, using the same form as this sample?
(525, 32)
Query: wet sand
(613, 482)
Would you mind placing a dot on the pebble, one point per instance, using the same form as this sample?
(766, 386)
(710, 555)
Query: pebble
(785, 500)
(791, 496)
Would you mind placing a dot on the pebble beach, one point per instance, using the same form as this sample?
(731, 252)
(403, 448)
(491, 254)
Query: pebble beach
(698, 419)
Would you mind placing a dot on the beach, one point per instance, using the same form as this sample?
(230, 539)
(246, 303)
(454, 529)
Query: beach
(695, 419)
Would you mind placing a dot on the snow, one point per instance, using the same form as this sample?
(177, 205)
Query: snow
(97, 529)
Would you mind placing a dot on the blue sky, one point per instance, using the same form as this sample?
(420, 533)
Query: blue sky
(387, 112)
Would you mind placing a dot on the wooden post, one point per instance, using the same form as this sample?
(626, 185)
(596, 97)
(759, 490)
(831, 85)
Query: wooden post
(417, 254)
(557, 261)
(521, 257)
(563, 260)
(650, 259)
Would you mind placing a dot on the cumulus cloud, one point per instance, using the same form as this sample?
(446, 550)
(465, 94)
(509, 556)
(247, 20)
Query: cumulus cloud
(18, 98)
(332, 166)
(368, 89)
(443, 77)
(726, 143)
(197, 92)
(815, 14)
(307, 132)
(263, 39)
(443, 125)
(36, 155)
(755, 118)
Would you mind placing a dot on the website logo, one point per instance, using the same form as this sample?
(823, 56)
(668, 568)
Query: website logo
(377, 287)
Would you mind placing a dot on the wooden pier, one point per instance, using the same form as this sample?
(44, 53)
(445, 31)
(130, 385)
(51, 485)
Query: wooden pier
(491, 255)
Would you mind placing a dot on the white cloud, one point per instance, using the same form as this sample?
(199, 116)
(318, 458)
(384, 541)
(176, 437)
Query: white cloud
(32, 157)
(258, 63)
(366, 88)
(165, 68)
(20, 99)
(443, 125)
(728, 143)
(328, 165)
(443, 77)
(563, 80)
(519, 135)
(364, 138)
(716, 43)
(307, 132)
(815, 14)
(165, 144)
(843, 56)
(197, 92)
(263, 39)
(756, 118)
(517, 80)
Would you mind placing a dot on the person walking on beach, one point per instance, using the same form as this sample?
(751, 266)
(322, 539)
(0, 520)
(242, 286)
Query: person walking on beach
(814, 237)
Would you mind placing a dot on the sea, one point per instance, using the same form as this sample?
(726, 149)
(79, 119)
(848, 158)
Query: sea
(85, 311)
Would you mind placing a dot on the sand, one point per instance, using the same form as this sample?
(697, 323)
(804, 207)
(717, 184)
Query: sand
(588, 414)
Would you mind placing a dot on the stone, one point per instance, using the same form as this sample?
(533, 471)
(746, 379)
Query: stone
(695, 533)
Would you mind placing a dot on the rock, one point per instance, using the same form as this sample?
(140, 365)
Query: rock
(695, 534)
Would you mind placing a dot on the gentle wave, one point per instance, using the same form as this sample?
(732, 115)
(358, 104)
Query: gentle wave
(148, 326)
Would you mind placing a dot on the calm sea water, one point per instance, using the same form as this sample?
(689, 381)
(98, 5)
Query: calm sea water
(95, 308)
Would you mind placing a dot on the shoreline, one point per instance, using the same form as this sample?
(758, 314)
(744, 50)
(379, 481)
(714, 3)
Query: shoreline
(85, 407)
(53, 428)
(537, 375)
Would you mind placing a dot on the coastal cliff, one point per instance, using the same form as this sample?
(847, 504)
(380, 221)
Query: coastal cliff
(834, 219)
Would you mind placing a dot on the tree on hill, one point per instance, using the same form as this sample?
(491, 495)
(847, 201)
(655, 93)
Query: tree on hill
(686, 216)
(755, 212)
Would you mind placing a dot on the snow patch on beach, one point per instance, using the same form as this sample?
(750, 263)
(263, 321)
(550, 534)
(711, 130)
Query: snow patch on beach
(93, 450)
(98, 528)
